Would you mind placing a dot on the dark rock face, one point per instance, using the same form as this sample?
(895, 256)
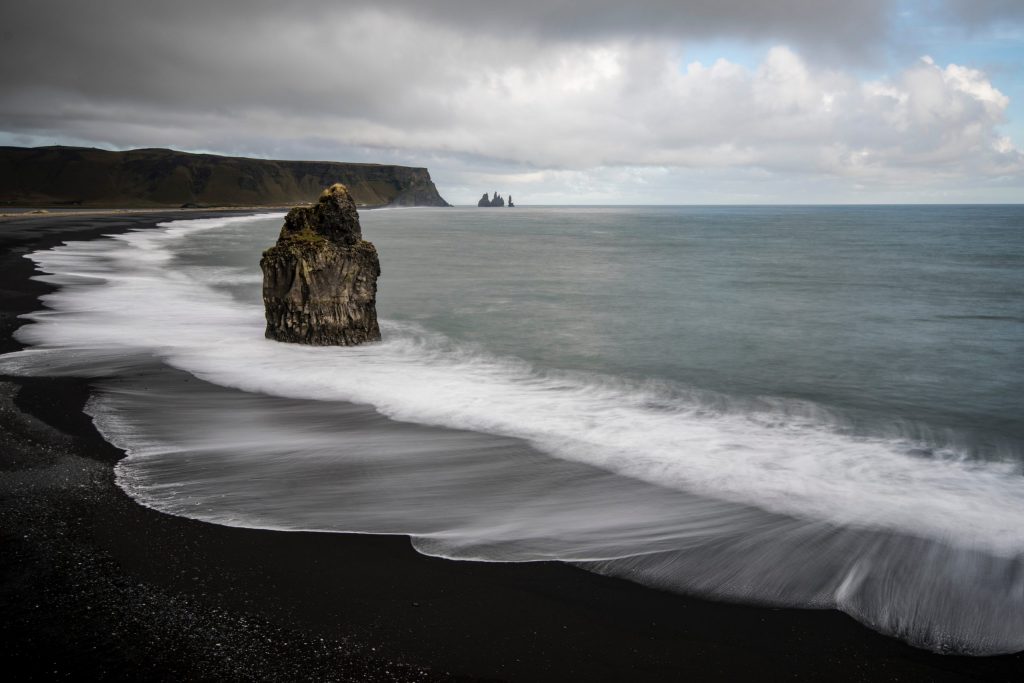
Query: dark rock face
(320, 279)
(75, 176)
(497, 200)
(510, 201)
(334, 218)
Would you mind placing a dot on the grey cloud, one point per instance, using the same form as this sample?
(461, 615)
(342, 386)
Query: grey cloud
(813, 22)
(239, 52)
(227, 56)
(549, 87)
(976, 13)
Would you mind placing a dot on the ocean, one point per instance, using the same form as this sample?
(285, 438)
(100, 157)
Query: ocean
(804, 406)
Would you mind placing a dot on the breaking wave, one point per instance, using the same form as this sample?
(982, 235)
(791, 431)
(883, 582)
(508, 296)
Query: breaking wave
(488, 457)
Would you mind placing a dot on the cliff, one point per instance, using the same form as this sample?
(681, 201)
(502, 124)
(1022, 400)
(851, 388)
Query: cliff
(320, 279)
(82, 177)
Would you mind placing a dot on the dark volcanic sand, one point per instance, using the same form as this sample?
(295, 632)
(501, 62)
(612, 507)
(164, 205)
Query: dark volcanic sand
(95, 586)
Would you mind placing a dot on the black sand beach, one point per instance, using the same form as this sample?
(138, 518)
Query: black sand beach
(95, 586)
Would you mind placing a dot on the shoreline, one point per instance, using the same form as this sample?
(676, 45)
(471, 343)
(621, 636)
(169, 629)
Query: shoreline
(97, 585)
(45, 212)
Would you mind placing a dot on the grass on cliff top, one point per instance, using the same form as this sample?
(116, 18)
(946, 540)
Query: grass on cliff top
(304, 237)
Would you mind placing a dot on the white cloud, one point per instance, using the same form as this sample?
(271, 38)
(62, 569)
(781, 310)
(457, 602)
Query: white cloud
(518, 107)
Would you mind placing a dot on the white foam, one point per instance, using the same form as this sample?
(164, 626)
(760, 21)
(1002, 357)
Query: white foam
(119, 294)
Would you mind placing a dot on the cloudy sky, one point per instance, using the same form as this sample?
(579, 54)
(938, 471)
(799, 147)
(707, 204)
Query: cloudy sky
(553, 101)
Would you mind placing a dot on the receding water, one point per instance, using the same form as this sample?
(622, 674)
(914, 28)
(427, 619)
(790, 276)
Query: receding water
(786, 405)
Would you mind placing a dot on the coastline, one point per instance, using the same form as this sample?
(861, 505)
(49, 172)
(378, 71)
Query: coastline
(96, 585)
(12, 213)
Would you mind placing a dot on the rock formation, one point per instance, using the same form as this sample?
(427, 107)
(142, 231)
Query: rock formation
(320, 279)
(510, 204)
(497, 200)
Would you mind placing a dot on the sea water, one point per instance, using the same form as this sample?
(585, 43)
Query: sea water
(809, 406)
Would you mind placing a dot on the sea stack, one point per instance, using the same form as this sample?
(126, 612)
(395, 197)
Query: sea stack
(497, 200)
(320, 279)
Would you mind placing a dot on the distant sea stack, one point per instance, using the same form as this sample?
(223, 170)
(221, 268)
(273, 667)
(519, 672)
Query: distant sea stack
(320, 279)
(165, 178)
(497, 200)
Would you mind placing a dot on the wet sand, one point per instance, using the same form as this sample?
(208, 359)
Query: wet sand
(93, 585)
